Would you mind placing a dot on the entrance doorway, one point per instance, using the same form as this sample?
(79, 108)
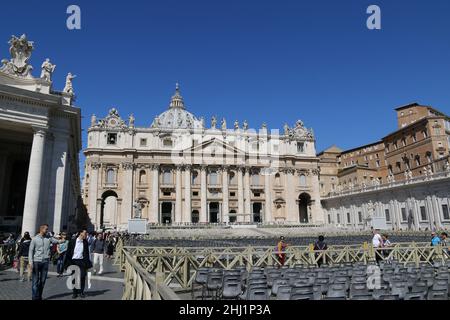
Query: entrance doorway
(166, 212)
(304, 201)
(232, 216)
(214, 212)
(257, 208)
(109, 208)
(195, 218)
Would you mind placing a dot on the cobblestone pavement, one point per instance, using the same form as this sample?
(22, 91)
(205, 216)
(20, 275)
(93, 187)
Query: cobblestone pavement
(108, 286)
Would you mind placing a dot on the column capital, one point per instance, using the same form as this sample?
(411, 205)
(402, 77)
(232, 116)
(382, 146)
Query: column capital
(154, 166)
(187, 167)
(95, 165)
(128, 165)
(40, 131)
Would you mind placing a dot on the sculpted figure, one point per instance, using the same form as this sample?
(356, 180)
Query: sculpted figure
(68, 87)
(47, 70)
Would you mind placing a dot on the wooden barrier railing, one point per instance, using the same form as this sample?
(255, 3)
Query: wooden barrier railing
(177, 266)
(141, 285)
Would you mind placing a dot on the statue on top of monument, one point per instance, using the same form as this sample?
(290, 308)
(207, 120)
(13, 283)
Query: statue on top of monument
(224, 124)
(236, 125)
(245, 125)
(47, 70)
(131, 121)
(68, 88)
(213, 122)
(93, 120)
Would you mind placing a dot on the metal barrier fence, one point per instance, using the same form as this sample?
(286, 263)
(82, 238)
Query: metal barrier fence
(176, 267)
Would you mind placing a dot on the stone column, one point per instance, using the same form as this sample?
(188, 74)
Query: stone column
(225, 193)
(247, 196)
(203, 195)
(178, 196)
(3, 181)
(187, 194)
(127, 192)
(32, 194)
(154, 205)
(92, 192)
(436, 211)
(240, 194)
(268, 197)
(62, 182)
(317, 214)
(292, 215)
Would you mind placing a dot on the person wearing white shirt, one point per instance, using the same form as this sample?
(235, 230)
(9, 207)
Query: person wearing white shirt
(78, 255)
(377, 242)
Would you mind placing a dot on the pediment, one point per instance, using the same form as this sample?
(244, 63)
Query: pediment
(215, 146)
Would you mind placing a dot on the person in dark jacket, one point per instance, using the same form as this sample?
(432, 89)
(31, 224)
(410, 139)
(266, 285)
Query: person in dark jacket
(24, 247)
(78, 255)
(320, 245)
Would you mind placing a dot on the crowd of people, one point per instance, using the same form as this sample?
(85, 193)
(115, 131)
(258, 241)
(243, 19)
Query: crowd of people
(32, 256)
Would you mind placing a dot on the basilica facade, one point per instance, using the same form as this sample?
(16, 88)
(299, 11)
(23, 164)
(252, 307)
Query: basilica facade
(178, 170)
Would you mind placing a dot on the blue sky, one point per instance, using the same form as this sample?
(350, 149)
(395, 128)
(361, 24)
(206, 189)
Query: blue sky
(272, 61)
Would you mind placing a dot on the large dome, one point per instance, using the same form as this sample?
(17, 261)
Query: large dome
(177, 117)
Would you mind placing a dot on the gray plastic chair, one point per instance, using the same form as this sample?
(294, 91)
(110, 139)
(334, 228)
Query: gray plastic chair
(415, 296)
(337, 290)
(258, 294)
(399, 288)
(437, 295)
(231, 290)
(284, 293)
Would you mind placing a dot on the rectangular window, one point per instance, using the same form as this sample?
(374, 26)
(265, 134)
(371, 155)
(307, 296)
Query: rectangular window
(445, 212)
(257, 194)
(404, 218)
(112, 138)
(195, 193)
(232, 194)
(360, 217)
(167, 194)
(423, 213)
(338, 218)
(300, 146)
(143, 142)
(329, 219)
(348, 217)
(387, 215)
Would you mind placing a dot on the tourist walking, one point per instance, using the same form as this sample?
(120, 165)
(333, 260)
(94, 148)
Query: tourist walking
(435, 240)
(39, 257)
(385, 244)
(319, 246)
(61, 250)
(24, 248)
(78, 254)
(110, 247)
(377, 243)
(98, 250)
(281, 248)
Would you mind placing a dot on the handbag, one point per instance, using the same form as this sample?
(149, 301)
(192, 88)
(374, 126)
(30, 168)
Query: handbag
(16, 263)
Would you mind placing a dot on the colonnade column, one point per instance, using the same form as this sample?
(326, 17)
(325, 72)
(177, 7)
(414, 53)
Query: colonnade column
(240, 194)
(33, 189)
(186, 215)
(203, 194)
(178, 197)
(225, 204)
(93, 192)
(268, 197)
(247, 196)
(127, 192)
(292, 212)
(154, 205)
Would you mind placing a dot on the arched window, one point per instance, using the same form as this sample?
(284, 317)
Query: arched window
(167, 176)
(255, 178)
(302, 180)
(213, 178)
(194, 177)
(110, 176)
(142, 176)
(277, 179)
(232, 178)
